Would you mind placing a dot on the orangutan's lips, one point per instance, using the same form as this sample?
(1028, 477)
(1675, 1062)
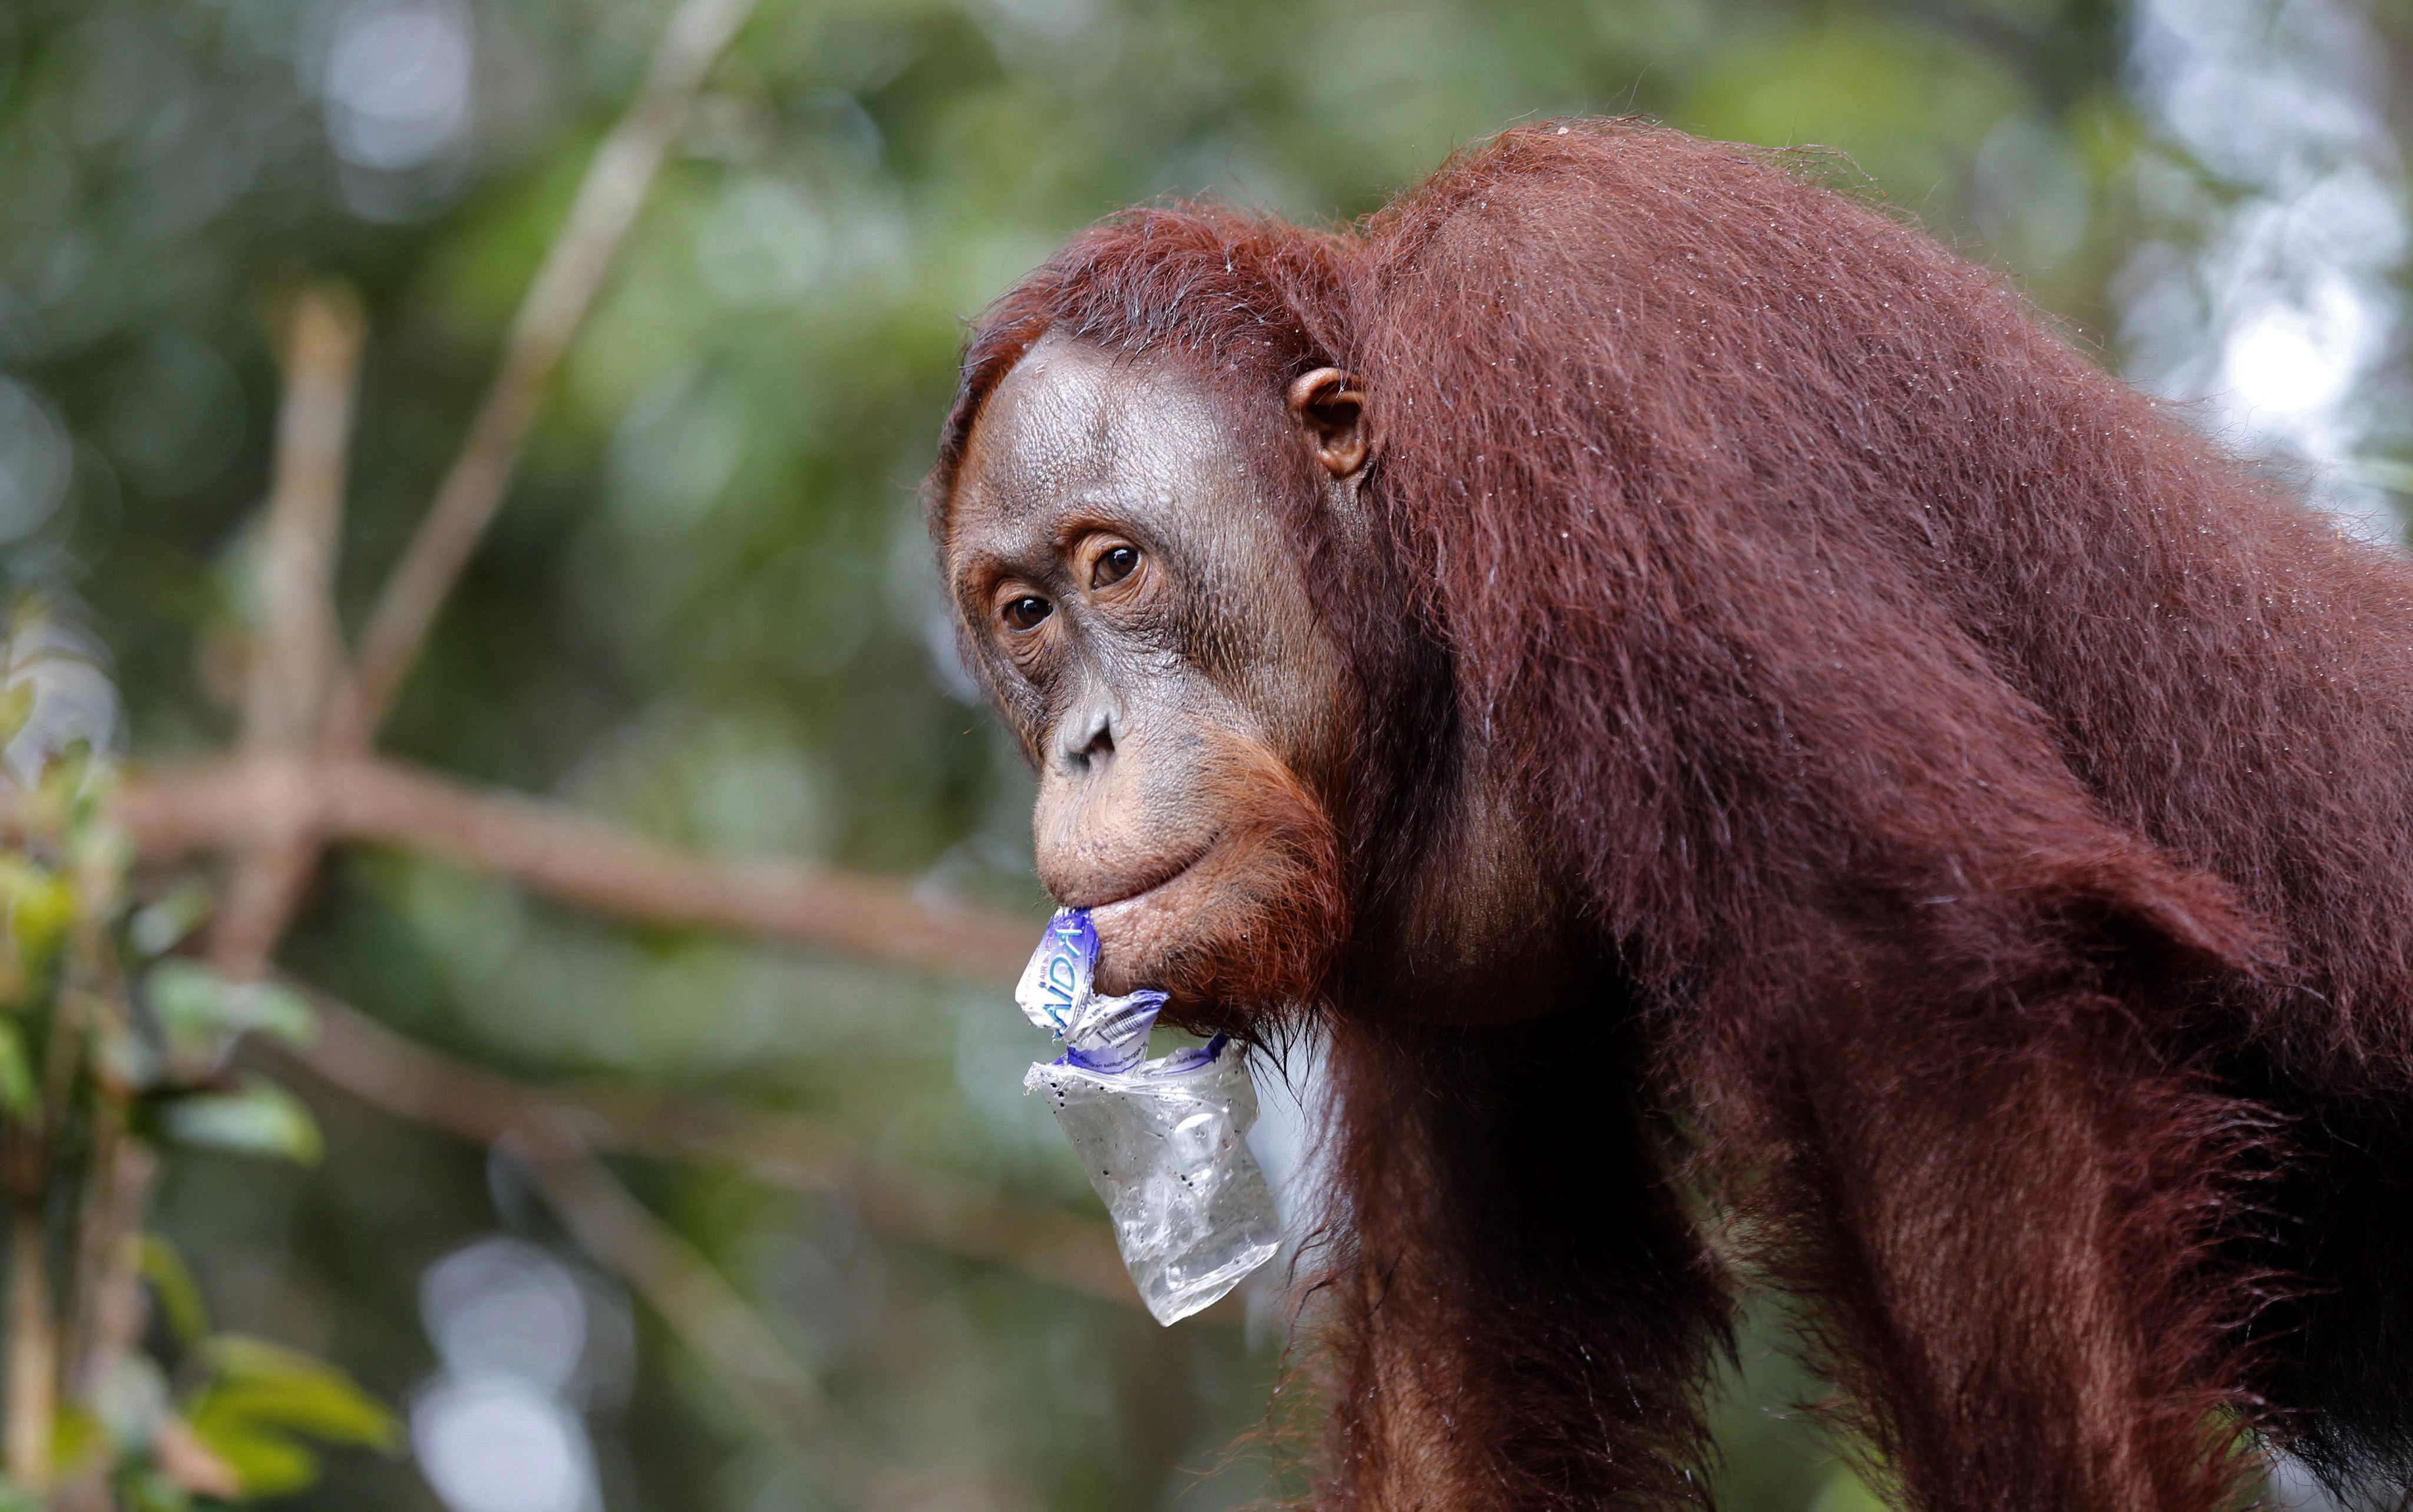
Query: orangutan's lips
(1136, 930)
(1140, 895)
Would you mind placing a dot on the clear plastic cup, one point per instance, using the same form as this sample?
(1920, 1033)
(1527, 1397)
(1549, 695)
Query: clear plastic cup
(1165, 1141)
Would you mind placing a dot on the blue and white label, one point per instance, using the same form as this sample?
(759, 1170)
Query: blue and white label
(1056, 983)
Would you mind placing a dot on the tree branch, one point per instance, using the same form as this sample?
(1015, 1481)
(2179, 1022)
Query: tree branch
(267, 797)
(556, 1134)
(356, 1055)
(297, 642)
(675, 1279)
(33, 1352)
(297, 646)
(550, 314)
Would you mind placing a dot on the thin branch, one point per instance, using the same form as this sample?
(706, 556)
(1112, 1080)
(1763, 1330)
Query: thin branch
(297, 644)
(33, 1352)
(364, 1059)
(554, 849)
(262, 889)
(556, 304)
(109, 1307)
(678, 1283)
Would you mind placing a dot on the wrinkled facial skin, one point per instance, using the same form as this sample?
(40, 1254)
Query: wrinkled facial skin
(1129, 592)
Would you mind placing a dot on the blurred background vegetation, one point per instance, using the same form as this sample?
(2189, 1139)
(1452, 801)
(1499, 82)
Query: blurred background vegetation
(707, 612)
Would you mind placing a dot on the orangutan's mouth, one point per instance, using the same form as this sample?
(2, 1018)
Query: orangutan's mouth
(1145, 890)
(1136, 931)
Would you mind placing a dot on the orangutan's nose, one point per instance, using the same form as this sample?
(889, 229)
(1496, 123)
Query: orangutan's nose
(1085, 737)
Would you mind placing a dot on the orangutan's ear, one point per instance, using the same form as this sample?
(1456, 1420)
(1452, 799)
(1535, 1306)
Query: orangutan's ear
(1331, 408)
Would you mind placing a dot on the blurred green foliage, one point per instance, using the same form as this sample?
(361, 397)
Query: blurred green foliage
(707, 611)
(107, 1054)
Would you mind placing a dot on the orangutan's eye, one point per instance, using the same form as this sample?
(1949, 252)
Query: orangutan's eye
(1114, 566)
(1026, 612)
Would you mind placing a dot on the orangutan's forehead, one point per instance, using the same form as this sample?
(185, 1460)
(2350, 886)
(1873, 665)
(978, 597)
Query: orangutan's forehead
(1075, 435)
(1056, 424)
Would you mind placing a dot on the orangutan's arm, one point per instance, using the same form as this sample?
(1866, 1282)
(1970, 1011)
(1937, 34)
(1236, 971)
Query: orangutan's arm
(2007, 1216)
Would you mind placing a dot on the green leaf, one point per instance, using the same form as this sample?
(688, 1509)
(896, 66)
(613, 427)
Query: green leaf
(40, 906)
(273, 1385)
(18, 1094)
(200, 1012)
(125, 1058)
(180, 1296)
(149, 1491)
(263, 1118)
(16, 704)
(264, 1399)
(77, 1440)
(160, 926)
(267, 1461)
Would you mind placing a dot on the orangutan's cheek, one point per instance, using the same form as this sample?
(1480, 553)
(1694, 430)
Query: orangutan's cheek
(1252, 925)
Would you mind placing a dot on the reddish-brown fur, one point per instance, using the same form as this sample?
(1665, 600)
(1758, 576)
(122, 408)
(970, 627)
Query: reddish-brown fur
(1293, 899)
(1987, 807)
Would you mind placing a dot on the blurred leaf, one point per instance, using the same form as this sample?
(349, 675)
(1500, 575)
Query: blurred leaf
(15, 705)
(125, 1058)
(19, 1097)
(160, 926)
(66, 779)
(264, 1395)
(151, 1490)
(40, 905)
(180, 1296)
(1844, 1491)
(263, 1118)
(75, 1440)
(265, 1461)
(200, 1012)
(273, 1383)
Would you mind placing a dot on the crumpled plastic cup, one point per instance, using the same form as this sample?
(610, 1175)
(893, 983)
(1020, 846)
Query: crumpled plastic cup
(1163, 1140)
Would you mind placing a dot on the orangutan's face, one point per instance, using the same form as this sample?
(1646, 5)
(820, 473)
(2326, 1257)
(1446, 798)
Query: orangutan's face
(1133, 600)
